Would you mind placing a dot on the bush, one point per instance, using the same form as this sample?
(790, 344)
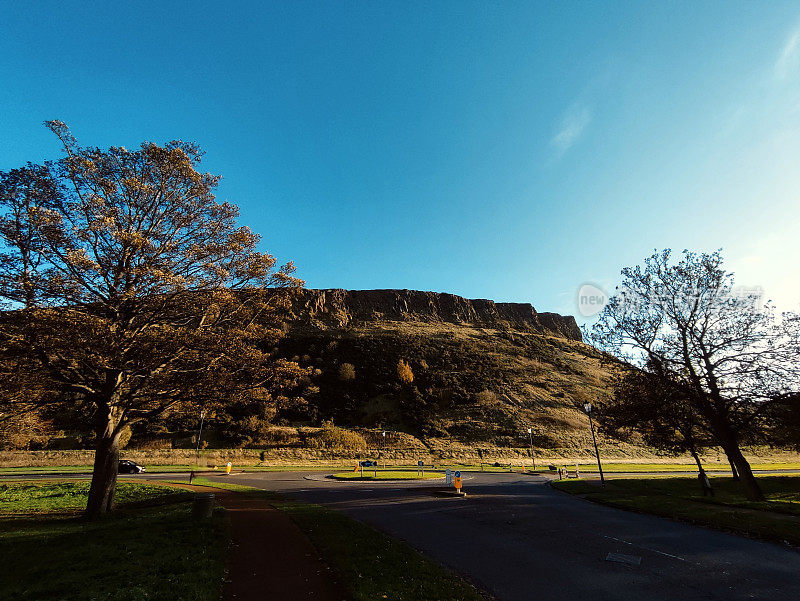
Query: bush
(332, 437)
(486, 397)
(347, 372)
(404, 372)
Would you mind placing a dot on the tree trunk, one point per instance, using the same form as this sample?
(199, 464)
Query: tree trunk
(746, 478)
(699, 467)
(106, 466)
(696, 459)
(734, 471)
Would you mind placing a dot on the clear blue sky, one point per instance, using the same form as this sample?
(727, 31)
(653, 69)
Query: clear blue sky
(498, 150)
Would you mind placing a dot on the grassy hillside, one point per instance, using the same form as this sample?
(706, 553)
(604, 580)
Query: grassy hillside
(474, 374)
(470, 385)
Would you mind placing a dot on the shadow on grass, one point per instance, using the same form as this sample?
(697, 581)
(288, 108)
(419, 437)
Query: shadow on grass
(777, 519)
(150, 550)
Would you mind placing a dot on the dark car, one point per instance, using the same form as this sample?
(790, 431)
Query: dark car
(129, 467)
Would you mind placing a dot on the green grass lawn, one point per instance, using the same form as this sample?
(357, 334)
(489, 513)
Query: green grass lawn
(150, 549)
(776, 519)
(674, 467)
(59, 497)
(588, 467)
(370, 474)
(83, 469)
(370, 564)
(161, 469)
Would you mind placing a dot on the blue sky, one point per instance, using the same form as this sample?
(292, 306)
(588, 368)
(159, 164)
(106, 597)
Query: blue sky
(510, 150)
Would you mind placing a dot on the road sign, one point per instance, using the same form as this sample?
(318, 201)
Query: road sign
(420, 463)
(457, 480)
(368, 463)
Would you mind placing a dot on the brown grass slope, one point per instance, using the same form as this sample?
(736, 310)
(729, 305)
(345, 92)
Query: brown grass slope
(472, 385)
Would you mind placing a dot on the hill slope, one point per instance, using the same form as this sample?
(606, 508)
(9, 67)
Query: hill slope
(483, 372)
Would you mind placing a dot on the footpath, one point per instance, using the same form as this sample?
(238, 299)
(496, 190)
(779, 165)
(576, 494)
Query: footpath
(270, 558)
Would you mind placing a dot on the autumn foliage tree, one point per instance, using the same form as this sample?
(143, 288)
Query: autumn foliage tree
(131, 290)
(404, 372)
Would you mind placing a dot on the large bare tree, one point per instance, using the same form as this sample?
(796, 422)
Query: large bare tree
(131, 289)
(716, 353)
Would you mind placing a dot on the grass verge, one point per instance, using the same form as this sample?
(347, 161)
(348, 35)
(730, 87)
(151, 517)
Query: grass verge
(777, 519)
(370, 564)
(386, 475)
(589, 467)
(155, 553)
(675, 467)
(46, 497)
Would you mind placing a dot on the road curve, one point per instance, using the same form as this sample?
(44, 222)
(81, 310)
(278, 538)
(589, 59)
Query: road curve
(519, 539)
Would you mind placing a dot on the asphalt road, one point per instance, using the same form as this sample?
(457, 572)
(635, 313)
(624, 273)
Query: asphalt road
(519, 539)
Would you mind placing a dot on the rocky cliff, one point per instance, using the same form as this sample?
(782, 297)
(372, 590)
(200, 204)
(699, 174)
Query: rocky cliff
(337, 308)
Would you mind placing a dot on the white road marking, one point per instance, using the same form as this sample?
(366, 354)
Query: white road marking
(619, 540)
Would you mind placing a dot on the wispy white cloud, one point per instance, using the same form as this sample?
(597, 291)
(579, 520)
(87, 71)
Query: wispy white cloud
(789, 58)
(573, 124)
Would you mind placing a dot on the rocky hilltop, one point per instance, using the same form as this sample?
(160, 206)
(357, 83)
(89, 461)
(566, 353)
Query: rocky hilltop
(338, 308)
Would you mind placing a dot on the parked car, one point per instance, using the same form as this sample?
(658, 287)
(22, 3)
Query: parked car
(127, 466)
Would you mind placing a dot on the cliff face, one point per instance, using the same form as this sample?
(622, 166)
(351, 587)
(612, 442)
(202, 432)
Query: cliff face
(337, 308)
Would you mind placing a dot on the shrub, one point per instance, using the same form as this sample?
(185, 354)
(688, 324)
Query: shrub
(347, 372)
(404, 372)
(486, 397)
(332, 437)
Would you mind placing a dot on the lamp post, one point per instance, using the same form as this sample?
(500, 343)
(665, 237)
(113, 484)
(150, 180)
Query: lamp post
(588, 408)
(200, 431)
(383, 450)
(530, 436)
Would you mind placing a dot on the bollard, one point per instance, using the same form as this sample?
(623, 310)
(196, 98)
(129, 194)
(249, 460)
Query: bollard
(203, 505)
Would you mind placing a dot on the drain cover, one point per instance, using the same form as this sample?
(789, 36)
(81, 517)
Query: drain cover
(633, 560)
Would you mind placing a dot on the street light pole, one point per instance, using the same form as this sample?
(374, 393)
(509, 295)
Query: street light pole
(383, 450)
(533, 460)
(588, 408)
(200, 431)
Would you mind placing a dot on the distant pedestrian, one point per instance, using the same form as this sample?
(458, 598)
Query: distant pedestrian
(191, 476)
(705, 483)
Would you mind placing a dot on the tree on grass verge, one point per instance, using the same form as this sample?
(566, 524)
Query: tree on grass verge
(709, 351)
(131, 291)
(644, 403)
